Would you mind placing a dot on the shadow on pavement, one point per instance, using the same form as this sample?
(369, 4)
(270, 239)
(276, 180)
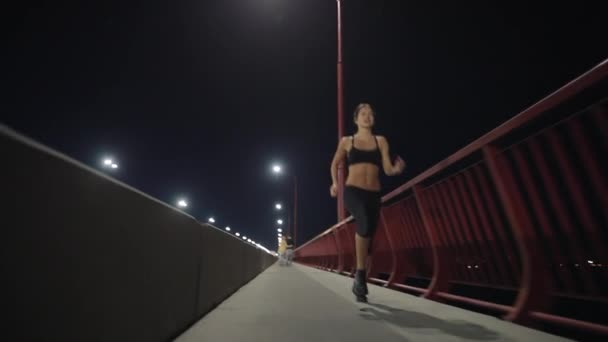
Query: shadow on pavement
(411, 319)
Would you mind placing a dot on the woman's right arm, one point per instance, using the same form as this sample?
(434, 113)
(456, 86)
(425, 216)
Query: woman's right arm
(339, 157)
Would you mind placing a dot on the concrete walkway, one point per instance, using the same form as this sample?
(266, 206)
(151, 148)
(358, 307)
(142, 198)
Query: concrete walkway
(299, 303)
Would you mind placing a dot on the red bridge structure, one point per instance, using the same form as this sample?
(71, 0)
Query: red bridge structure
(515, 224)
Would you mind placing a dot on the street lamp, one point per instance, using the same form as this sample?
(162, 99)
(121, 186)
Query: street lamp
(211, 220)
(108, 163)
(227, 229)
(280, 230)
(278, 169)
(278, 206)
(182, 203)
(237, 234)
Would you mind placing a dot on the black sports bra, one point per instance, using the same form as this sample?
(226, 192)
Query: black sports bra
(355, 155)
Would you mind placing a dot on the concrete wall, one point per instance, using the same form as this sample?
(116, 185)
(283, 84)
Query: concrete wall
(87, 258)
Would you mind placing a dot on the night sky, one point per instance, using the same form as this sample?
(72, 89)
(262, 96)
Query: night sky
(198, 98)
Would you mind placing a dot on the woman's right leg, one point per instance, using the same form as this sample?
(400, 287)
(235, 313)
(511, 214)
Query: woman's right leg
(355, 203)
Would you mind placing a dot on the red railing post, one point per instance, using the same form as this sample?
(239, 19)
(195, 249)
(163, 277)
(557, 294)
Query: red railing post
(372, 269)
(485, 224)
(398, 266)
(441, 271)
(533, 294)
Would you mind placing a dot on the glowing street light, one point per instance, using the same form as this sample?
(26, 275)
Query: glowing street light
(237, 234)
(280, 230)
(211, 220)
(278, 206)
(276, 168)
(182, 203)
(109, 163)
(279, 221)
(227, 229)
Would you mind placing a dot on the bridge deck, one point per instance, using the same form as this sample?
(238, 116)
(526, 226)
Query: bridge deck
(299, 303)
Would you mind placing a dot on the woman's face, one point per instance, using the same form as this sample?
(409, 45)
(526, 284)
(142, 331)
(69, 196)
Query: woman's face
(365, 118)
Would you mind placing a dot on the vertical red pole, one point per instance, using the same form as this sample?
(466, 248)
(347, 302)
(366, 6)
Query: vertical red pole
(539, 209)
(341, 211)
(484, 226)
(441, 269)
(446, 229)
(533, 294)
(501, 229)
(295, 210)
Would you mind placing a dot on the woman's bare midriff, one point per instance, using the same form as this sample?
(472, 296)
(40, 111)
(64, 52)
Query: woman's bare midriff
(364, 176)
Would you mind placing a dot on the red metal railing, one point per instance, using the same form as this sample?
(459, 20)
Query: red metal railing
(523, 211)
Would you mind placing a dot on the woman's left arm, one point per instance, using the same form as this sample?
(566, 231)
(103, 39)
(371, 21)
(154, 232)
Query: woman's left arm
(390, 169)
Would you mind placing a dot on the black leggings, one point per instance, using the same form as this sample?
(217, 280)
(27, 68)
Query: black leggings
(364, 205)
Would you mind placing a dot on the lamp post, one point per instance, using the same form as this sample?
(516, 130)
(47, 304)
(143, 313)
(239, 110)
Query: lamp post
(340, 95)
